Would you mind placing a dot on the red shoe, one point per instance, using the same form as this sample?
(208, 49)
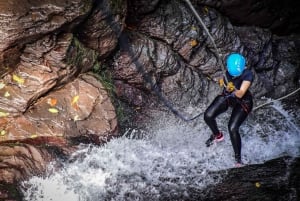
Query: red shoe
(238, 165)
(214, 138)
(219, 137)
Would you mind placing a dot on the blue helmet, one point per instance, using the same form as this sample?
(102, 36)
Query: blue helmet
(235, 64)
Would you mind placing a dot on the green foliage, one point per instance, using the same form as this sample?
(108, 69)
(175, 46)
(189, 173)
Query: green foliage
(116, 5)
(105, 77)
(12, 191)
(87, 6)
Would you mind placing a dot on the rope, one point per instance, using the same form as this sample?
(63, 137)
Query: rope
(210, 37)
(283, 97)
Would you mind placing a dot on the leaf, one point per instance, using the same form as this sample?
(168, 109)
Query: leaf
(2, 85)
(193, 43)
(3, 132)
(6, 94)
(53, 110)
(76, 117)
(18, 79)
(75, 100)
(205, 9)
(33, 136)
(52, 101)
(257, 184)
(4, 114)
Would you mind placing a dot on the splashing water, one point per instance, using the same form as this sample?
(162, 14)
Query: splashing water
(166, 161)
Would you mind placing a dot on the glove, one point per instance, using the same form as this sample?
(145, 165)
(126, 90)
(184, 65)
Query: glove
(221, 82)
(230, 87)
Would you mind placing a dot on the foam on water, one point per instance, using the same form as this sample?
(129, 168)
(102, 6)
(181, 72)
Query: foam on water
(169, 159)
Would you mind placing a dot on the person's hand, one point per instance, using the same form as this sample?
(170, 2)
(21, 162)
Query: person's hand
(230, 87)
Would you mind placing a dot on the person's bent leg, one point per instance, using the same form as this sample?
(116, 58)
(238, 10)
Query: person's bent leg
(218, 106)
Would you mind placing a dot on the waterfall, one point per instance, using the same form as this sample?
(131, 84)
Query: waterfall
(166, 160)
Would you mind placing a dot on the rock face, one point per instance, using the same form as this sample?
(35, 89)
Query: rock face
(25, 22)
(48, 98)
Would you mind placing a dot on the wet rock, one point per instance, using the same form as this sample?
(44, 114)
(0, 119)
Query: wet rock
(27, 21)
(149, 58)
(281, 17)
(98, 32)
(80, 108)
(45, 64)
(18, 161)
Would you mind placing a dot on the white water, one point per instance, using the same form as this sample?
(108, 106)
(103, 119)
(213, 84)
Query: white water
(167, 161)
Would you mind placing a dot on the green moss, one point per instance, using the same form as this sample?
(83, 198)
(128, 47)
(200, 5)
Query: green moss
(77, 52)
(116, 5)
(103, 74)
(87, 6)
(12, 191)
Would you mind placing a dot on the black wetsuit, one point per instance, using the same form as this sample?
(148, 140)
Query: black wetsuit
(241, 109)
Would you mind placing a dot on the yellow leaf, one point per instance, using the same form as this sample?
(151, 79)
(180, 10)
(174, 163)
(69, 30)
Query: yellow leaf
(4, 114)
(6, 94)
(33, 136)
(3, 132)
(75, 99)
(193, 43)
(257, 184)
(2, 85)
(193, 28)
(206, 9)
(53, 110)
(52, 101)
(76, 117)
(18, 79)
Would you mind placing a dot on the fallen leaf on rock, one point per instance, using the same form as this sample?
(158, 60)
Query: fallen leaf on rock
(18, 79)
(4, 114)
(53, 110)
(33, 136)
(52, 101)
(75, 99)
(6, 94)
(193, 43)
(2, 85)
(3, 132)
(76, 118)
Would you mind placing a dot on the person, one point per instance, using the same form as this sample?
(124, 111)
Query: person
(235, 94)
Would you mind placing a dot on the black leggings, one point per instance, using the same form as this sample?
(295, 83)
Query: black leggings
(240, 112)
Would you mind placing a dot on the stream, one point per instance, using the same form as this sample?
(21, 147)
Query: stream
(166, 160)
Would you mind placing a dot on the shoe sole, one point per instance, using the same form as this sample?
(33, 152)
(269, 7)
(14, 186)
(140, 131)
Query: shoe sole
(219, 140)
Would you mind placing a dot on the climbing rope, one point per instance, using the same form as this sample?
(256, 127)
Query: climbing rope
(210, 37)
(278, 99)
